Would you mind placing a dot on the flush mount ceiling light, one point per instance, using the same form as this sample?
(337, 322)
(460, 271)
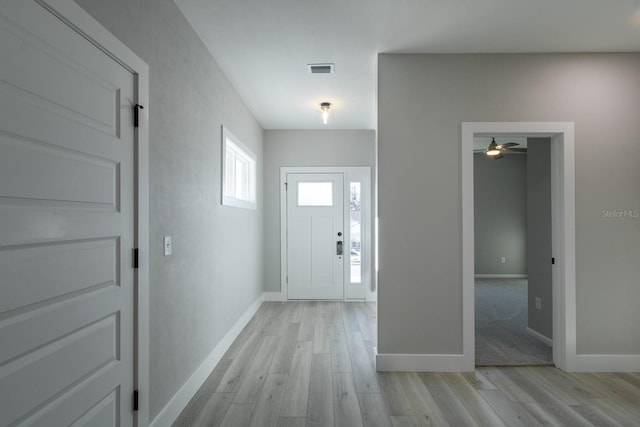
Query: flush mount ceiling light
(325, 111)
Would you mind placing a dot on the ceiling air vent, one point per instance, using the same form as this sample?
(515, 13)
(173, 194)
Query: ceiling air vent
(321, 68)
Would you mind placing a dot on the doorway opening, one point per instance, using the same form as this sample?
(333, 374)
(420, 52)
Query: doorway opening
(562, 232)
(326, 233)
(513, 283)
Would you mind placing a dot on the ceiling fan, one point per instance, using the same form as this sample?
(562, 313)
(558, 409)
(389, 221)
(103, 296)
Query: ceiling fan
(495, 151)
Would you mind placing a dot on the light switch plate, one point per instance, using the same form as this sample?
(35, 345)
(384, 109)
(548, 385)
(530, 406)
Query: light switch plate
(167, 245)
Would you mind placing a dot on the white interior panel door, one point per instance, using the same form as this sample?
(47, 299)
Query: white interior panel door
(315, 236)
(66, 225)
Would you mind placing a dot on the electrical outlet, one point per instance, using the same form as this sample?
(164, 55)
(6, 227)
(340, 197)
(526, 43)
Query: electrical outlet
(503, 260)
(167, 245)
(538, 303)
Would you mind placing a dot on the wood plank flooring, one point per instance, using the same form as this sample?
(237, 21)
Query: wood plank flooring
(310, 364)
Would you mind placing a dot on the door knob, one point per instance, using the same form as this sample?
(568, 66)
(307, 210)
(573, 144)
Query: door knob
(339, 247)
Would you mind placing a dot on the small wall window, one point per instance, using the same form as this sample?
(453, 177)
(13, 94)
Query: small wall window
(238, 173)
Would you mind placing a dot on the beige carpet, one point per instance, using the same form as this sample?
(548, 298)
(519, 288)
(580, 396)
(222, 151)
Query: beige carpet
(501, 322)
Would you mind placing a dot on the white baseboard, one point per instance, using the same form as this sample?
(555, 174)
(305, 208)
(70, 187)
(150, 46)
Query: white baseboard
(537, 335)
(279, 296)
(179, 401)
(607, 363)
(274, 296)
(501, 276)
(423, 363)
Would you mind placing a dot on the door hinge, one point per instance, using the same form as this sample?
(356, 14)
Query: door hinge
(135, 400)
(135, 258)
(286, 186)
(287, 279)
(553, 260)
(136, 115)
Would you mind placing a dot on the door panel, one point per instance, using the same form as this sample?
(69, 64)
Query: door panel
(66, 225)
(322, 236)
(301, 250)
(63, 175)
(314, 220)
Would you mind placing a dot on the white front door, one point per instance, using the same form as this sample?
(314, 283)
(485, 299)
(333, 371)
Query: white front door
(315, 236)
(66, 225)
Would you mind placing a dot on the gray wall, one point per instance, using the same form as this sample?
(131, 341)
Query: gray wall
(423, 99)
(304, 148)
(500, 188)
(539, 234)
(201, 290)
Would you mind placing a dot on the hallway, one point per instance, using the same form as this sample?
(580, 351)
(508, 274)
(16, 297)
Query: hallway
(311, 364)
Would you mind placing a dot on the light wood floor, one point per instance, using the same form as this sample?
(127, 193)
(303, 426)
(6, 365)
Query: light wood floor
(311, 364)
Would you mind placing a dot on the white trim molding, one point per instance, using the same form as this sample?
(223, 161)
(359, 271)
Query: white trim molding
(76, 17)
(274, 296)
(420, 362)
(179, 401)
(607, 363)
(537, 335)
(562, 136)
(501, 276)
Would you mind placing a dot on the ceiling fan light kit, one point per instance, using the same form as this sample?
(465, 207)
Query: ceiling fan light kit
(496, 151)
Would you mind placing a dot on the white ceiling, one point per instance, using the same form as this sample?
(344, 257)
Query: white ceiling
(264, 46)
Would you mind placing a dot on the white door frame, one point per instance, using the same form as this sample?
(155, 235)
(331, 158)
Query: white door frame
(361, 174)
(562, 230)
(83, 23)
